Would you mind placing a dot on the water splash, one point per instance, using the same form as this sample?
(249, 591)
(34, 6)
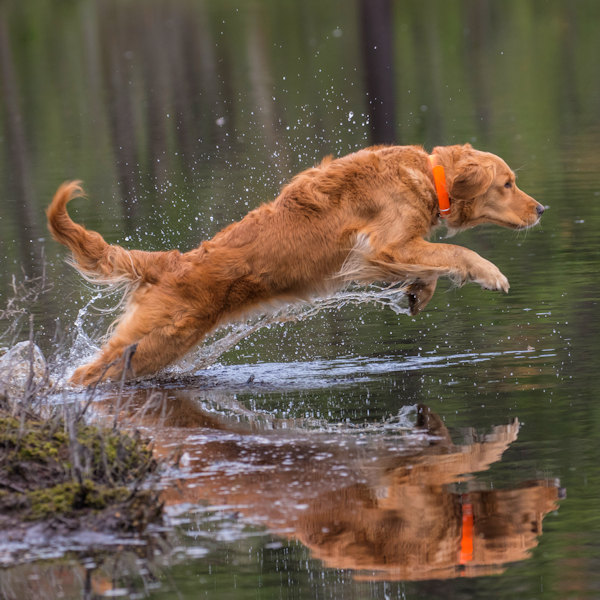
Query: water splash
(226, 407)
(88, 333)
(318, 374)
(226, 338)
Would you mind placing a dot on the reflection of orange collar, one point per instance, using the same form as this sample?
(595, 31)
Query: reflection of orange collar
(439, 177)
(466, 532)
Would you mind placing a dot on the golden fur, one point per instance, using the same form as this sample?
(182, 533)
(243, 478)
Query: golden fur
(363, 217)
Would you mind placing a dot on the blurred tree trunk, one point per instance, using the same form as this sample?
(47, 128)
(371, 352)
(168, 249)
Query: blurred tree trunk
(157, 81)
(261, 88)
(18, 162)
(120, 109)
(479, 20)
(378, 59)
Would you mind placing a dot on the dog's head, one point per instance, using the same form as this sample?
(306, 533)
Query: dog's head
(483, 189)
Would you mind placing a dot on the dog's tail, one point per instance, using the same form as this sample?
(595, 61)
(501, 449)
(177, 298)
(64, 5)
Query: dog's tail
(93, 257)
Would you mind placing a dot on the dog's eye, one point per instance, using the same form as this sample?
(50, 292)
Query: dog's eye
(508, 185)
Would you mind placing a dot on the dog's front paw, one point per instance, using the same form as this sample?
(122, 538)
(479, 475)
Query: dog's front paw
(496, 282)
(489, 277)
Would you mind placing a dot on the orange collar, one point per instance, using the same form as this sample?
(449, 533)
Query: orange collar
(439, 177)
(466, 533)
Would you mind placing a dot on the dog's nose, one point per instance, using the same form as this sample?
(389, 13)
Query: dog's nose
(540, 209)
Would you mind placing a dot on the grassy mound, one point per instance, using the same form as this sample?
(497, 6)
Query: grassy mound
(57, 470)
(66, 470)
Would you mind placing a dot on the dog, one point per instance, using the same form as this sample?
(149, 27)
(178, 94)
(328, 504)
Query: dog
(361, 218)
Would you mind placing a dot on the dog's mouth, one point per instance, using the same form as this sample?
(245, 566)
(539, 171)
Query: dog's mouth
(520, 224)
(537, 220)
(526, 225)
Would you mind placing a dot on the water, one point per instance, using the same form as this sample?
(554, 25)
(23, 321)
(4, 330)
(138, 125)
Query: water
(337, 455)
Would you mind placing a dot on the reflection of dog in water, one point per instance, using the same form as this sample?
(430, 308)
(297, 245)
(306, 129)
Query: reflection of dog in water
(375, 504)
(360, 218)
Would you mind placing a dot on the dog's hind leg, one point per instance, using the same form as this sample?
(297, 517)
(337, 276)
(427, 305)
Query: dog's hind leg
(115, 358)
(134, 356)
(162, 347)
(420, 293)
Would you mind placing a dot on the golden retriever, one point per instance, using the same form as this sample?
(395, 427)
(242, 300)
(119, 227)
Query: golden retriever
(363, 217)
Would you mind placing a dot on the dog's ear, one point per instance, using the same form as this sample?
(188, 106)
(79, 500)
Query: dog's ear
(471, 180)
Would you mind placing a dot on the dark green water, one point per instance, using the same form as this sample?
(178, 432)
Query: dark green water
(305, 474)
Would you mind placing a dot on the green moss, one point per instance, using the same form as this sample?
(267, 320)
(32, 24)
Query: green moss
(70, 498)
(48, 473)
(32, 441)
(8, 424)
(113, 455)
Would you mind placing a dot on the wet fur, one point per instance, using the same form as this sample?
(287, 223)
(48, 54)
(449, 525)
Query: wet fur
(364, 217)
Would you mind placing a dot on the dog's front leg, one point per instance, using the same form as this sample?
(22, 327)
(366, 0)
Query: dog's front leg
(455, 262)
(423, 262)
